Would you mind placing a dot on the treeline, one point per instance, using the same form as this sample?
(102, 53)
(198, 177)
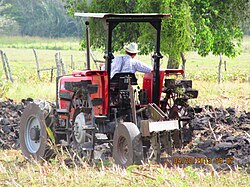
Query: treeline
(44, 18)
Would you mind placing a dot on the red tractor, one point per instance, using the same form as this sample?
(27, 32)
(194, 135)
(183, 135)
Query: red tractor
(89, 103)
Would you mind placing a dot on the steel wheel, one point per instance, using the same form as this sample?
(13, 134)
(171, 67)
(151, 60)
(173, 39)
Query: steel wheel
(178, 109)
(83, 118)
(33, 135)
(127, 145)
(168, 102)
(175, 105)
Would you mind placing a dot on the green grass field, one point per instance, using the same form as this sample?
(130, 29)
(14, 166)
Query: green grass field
(39, 43)
(234, 91)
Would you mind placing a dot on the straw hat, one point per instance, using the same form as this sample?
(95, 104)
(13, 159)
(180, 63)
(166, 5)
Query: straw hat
(132, 48)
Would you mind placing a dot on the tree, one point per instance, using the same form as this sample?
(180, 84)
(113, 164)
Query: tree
(205, 25)
(218, 25)
(176, 32)
(46, 18)
(121, 33)
(7, 24)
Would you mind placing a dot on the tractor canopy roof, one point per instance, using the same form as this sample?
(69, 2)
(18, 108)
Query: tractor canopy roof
(118, 15)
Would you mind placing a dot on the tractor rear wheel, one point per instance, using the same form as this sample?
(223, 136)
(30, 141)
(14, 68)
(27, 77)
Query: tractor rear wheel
(33, 135)
(127, 145)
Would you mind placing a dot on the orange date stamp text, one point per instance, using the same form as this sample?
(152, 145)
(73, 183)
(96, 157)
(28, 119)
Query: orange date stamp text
(203, 160)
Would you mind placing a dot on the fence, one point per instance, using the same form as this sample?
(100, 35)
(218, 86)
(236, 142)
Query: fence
(59, 65)
(6, 66)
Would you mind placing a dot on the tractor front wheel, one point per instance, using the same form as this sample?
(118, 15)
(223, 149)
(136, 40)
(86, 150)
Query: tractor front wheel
(127, 145)
(33, 135)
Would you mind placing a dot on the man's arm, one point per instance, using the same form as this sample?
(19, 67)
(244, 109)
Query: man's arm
(141, 67)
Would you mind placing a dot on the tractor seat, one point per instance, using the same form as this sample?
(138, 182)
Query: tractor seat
(118, 76)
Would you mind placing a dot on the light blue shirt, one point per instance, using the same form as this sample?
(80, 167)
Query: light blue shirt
(128, 64)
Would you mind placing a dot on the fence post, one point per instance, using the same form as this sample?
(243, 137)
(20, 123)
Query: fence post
(4, 66)
(51, 73)
(62, 65)
(72, 63)
(219, 69)
(8, 66)
(37, 65)
(58, 68)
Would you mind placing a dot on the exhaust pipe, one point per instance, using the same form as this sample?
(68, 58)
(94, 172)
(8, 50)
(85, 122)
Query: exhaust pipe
(87, 45)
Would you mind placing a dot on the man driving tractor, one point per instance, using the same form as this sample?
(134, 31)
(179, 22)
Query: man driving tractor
(128, 63)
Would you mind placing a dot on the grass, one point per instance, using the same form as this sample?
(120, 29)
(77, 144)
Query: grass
(27, 42)
(226, 94)
(206, 68)
(16, 171)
